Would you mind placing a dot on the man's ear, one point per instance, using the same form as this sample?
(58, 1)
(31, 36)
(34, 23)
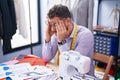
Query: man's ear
(68, 20)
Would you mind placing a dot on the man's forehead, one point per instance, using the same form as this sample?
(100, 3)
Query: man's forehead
(53, 19)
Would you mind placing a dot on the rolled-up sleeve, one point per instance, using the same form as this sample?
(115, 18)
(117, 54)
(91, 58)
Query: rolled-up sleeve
(49, 49)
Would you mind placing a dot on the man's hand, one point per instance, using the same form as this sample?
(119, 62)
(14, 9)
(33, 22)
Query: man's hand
(62, 32)
(49, 33)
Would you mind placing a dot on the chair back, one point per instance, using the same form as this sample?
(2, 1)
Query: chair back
(105, 59)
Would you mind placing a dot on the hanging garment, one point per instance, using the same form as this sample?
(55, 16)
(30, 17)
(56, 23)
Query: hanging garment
(67, 3)
(1, 26)
(21, 18)
(51, 3)
(8, 22)
(82, 13)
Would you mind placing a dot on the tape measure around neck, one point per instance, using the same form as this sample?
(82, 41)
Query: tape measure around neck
(74, 37)
(72, 45)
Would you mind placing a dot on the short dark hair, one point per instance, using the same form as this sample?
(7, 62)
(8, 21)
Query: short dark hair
(60, 11)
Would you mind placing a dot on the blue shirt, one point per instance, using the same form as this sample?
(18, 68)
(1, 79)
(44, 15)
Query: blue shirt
(84, 44)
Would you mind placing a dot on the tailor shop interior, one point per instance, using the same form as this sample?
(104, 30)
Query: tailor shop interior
(23, 31)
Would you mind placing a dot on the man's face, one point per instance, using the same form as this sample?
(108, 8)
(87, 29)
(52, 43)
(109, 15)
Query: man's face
(52, 23)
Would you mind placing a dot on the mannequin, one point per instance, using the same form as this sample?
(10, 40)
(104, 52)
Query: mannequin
(116, 11)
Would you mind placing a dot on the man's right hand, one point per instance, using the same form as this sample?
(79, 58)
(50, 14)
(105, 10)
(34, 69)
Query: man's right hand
(49, 33)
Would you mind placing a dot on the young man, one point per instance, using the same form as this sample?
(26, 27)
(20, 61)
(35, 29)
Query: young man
(60, 33)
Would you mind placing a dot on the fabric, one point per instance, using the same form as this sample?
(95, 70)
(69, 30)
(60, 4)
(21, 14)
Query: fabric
(33, 60)
(8, 18)
(84, 44)
(82, 13)
(21, 18)
(1, 26)
(67, 3)
(8, 22)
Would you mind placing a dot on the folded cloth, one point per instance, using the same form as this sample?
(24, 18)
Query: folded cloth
(33, 60)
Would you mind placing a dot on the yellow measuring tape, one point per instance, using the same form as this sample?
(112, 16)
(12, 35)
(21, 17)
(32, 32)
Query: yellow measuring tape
(74, 37)
(72, 44)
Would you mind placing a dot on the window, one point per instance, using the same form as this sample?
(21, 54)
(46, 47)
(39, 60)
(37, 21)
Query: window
(27, 32)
